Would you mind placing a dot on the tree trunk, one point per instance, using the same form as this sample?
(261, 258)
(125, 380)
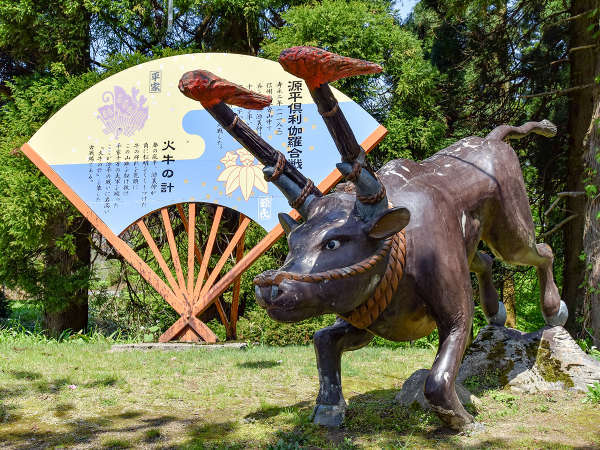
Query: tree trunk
(508, 298)
(591, 232)
(70, 312)
(580, 113)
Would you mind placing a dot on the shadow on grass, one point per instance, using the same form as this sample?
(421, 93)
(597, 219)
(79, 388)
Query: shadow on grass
(103, 382)
(62, 409)
(272, 411)
(25, 375)
(90, 431)
(258, 364)
(52, 386)
(373, 419)
(221, 435)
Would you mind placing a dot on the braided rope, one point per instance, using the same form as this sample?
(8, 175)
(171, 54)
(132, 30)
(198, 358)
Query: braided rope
(372, 199)
(364, 315)
(333, 111)
(356, 169)
(232, 124)
(279, 166)
(306, 190)
(270, 278)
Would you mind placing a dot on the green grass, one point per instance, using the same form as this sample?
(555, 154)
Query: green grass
(76, 393)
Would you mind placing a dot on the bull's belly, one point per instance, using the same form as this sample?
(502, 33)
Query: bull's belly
(398, 325)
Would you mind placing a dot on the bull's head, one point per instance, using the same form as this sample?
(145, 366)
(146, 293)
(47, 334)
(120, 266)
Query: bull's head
(338, 255)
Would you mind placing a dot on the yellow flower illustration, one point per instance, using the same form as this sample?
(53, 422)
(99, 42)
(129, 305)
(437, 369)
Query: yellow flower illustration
(245, 176)
(229, 159)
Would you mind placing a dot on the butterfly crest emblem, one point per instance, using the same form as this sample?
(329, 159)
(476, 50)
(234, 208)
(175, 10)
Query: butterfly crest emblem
(123, 114)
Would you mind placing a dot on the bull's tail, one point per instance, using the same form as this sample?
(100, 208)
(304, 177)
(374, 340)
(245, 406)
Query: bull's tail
(545, 128)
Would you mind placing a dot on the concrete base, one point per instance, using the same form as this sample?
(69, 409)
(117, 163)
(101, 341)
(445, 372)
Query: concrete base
(176, 346)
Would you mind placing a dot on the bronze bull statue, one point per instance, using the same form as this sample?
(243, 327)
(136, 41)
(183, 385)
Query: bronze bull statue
(391, 256)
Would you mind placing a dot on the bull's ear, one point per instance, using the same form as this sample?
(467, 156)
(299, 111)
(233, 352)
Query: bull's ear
(287, 222)
(388, 223)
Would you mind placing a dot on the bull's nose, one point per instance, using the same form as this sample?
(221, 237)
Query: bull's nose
(266, 294)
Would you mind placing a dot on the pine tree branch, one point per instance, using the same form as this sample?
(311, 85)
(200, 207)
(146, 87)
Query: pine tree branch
(568, 19)
(559, 91)
(558, 226)
(561, 195)
(582, 47)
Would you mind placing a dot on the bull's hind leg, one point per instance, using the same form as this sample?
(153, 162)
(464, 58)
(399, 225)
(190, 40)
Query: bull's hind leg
(330, 343)
(554, 309)
(512, 238)
(511, 233)
(494, 310)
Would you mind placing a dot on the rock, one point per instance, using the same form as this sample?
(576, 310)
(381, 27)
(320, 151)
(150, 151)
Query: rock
(545, 360)
(412, 391)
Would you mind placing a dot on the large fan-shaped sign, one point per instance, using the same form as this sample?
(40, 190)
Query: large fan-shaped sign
(133, 144)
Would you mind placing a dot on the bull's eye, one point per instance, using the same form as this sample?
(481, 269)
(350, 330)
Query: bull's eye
(332, 245)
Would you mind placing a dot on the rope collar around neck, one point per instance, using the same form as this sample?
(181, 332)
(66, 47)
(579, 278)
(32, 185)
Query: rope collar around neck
(365, 314)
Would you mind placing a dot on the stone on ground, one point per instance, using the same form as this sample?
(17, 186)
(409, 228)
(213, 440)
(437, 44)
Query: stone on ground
(545, 360)
(412, 391)
(175, 346)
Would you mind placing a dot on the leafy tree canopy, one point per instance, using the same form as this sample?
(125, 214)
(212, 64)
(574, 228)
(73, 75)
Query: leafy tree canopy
(404, 97)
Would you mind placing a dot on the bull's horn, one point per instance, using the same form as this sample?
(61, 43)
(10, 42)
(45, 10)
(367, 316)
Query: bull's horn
(213, 92)
(287, 222)
(371, 198)
(299, 197)
(318, 67)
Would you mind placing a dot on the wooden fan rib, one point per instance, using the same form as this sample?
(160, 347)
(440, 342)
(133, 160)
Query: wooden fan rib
(184, 219)
(235, 298)
(208, 251)
(159, 258)
(191, 231)
(173, 248)
(232, 244)
(189, 225)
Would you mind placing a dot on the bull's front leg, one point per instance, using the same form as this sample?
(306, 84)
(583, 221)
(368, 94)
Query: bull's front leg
(329, 344)
(454, 326)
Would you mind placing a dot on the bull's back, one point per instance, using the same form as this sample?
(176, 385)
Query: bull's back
(466, 173)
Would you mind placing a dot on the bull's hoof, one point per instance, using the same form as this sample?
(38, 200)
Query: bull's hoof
(329, 415)
(560, 318)
(456, 420)
(499, 318)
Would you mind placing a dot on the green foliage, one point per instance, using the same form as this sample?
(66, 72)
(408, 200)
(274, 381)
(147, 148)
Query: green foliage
(256, 326)
(593, 394)
(35, 34)
(128, 26)
(404, 96)
(588, 347)
(32, 211)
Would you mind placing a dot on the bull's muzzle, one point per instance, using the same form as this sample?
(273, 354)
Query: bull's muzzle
(266, 288)
(266, 294)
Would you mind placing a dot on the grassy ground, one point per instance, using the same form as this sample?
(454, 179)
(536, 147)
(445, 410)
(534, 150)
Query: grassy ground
(78, 394)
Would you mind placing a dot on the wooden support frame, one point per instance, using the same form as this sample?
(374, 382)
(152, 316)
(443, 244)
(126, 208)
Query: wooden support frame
(191, 299)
